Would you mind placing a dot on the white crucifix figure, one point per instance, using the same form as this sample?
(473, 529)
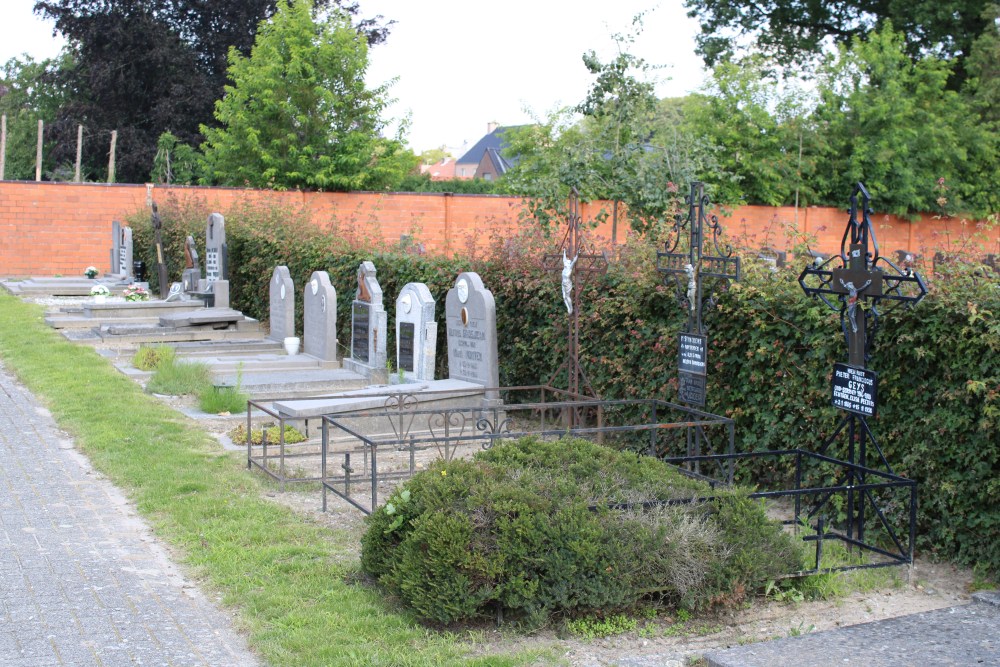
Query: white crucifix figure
(692, 291)
(567, 281)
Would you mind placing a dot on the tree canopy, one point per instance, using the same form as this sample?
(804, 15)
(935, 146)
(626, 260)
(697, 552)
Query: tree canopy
(793, 30)
(144, 67)
(299, 114)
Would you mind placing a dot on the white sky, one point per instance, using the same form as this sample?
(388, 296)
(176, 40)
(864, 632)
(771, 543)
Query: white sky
(461, 64)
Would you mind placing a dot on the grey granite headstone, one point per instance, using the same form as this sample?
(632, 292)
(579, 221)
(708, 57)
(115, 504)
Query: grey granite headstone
(116, 241)
(472, 332)
(216, 250)
(282, 313)
(416, 332)
(319, 317)
(368, 325)
(125, 253)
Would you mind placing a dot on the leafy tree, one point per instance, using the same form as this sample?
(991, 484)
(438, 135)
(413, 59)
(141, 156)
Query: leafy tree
(757, 126)
(434, 155)
(894, 124)
(606, 148)
(299, 115)
(143, 67)
(794, 30)
(176, 162)
(25, 98)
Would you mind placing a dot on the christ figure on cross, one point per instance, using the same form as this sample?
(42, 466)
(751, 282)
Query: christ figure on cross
(567, 281)
(852, 301)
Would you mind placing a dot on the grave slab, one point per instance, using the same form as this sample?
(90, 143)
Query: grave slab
(964, 635)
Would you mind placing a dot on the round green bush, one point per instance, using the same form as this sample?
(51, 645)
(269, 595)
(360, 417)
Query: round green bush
(533, 528)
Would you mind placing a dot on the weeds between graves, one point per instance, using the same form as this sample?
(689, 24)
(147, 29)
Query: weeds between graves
(282, 575)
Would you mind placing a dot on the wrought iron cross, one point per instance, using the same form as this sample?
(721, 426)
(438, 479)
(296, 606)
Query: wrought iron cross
(862, 282)
(577, 263)
(696, 274)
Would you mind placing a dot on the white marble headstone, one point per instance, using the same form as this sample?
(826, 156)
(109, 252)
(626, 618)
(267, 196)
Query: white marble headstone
(472, 332)
(416, 332)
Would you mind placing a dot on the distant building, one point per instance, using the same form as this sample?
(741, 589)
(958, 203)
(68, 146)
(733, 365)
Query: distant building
(440, 171)
(484, 159)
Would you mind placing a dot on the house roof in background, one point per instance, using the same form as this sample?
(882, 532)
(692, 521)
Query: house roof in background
(492, 140)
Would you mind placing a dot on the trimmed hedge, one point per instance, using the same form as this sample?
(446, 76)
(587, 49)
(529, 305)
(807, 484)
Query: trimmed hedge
(771, 349)
(524, 531)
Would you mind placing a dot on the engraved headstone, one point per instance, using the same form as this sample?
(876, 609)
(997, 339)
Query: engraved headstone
(216, 250)
(125, 253)
(472, 332)
(368, 325)
(282, 313)
(319, 317)
(416, 332)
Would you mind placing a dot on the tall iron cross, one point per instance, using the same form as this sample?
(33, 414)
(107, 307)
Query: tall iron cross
(577, 263)
(696, 273)
(862, 282)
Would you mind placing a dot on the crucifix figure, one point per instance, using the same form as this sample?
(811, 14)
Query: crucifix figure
(575, 261)
(692, 289)
(852, 301)
(567, 281)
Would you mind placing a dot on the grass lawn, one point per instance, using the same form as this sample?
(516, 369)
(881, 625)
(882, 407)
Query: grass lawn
(281, 575)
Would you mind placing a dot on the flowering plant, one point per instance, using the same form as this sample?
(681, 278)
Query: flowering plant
(99, 290)
(90, 272)
(135, 292)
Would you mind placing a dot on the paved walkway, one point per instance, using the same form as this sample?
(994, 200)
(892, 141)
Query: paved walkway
(82, 579)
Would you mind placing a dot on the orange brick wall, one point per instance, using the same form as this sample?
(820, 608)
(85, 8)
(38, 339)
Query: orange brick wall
(61, 228)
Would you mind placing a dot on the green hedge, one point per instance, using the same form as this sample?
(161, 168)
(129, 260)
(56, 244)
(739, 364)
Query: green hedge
(771, 349)
(524, 531)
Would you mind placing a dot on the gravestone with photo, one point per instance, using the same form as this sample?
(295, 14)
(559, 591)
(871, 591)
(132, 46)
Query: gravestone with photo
(282, 310)
(368, 327)
(319, 317)
(471, 315)
(416, 332)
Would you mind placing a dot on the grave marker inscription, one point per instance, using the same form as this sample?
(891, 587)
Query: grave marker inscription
(416, 332)
(282, 305)
(472, 332)
(319, 324)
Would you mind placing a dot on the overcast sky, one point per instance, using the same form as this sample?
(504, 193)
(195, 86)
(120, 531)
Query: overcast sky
(461, 64)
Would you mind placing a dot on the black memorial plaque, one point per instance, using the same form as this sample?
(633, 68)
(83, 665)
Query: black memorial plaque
(406, 338)
(359, 332)
(692, 356)
(691, 388)
(855, 389)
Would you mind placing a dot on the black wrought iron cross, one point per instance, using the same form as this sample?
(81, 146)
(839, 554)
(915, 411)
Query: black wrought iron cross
(862, 282)
(696, 274)
(577, 263)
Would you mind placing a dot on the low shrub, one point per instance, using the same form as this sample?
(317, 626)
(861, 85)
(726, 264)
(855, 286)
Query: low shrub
(222, 400)
(175, 378)
(239, 434)
(534, 528)
(148, 357)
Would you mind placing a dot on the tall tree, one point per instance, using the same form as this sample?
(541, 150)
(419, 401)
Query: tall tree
(794, 30)
(299, 114)
(144, 67)
(894, 124)
(27, 96)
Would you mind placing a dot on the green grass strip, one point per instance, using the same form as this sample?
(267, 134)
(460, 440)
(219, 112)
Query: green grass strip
(283, 576)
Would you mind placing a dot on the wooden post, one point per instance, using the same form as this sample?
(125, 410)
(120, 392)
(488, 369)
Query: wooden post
(111, 157)
(79, 151)
(38, 151)
(3, 145)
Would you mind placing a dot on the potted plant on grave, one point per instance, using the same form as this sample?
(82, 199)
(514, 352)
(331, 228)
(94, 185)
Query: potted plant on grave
(135, 292)
(100, 293)
(90, 272)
